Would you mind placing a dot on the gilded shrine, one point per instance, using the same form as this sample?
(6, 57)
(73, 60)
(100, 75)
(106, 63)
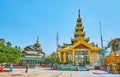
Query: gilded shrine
(80, 51)
(113, 59)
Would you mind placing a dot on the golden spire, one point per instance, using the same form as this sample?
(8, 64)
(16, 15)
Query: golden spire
(79, 19)
(79, 30)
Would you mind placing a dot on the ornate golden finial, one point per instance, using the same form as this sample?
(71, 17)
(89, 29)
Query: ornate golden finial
(79, 13)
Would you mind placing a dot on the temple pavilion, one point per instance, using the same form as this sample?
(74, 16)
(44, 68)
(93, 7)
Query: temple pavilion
(113, 59)
(32, 54)
(80, 50)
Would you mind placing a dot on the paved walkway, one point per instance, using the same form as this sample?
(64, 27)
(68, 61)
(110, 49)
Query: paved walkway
(111, 75)
(39, 72)
(85, 74)
(42, 72)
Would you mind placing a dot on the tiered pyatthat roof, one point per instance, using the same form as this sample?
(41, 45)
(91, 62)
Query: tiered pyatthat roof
(79, 37)
(34, 48)
(33, 51)
(79, 31)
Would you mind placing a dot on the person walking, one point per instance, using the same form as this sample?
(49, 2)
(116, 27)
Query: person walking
(11, 67)
(27, 66)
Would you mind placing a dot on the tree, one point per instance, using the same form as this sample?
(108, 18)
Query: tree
(53, 54)
(52, 58)
(9, 43)
(2, 41)
(17, 47)
(9, 54)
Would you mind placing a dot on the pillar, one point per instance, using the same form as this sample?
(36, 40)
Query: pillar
(60, 57)
(90, 56)
(73, 56)
(65, 57)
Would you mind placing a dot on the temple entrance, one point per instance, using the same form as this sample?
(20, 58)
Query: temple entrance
(69, 58)
(81, 57)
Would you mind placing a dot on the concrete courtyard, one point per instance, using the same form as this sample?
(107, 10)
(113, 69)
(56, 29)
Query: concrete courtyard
(46, 72)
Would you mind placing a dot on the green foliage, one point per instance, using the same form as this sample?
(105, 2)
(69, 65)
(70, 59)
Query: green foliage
(17, 47)
(9, 43)
(52, 58)
(2, 41)
(9, 54)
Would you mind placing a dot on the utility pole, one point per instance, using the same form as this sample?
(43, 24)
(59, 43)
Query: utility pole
(101, 35)
(57, 39)
(102, 56)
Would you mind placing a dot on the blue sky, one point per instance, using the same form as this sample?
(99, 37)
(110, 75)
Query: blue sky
(21, 21)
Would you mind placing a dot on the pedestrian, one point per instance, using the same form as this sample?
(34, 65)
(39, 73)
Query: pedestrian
(27, 66)
(11, 67)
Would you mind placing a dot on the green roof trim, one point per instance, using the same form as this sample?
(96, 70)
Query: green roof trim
(29, 58)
